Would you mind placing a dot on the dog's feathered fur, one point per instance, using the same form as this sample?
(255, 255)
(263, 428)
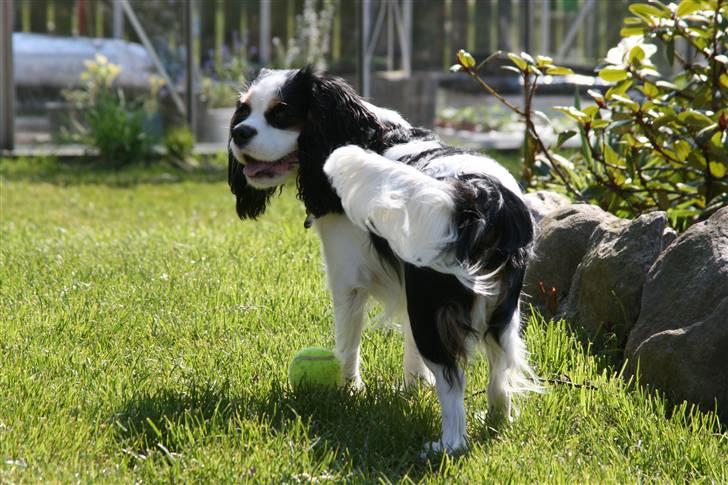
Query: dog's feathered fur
(441, 236)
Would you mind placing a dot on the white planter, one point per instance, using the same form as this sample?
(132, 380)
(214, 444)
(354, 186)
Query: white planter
(213, 125)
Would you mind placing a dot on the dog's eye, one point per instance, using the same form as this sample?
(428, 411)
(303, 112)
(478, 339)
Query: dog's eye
(241, 112)
(243, 109)
(279, 116)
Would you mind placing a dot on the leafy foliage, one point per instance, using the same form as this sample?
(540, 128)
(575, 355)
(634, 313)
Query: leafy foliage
(652, 140)
(312, 42)
(179, 142)
(107, 119)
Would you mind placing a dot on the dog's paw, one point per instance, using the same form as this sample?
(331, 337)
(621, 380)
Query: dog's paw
(355, 383)
(453, 448)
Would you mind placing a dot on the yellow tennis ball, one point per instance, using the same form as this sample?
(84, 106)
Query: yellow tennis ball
(315, 367)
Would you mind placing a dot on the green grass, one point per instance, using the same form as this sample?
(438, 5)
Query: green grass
(145, 335)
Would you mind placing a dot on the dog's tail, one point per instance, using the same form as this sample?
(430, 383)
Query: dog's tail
(439, 224)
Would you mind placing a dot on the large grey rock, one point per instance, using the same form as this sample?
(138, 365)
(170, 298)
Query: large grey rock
(607, 286)
(681, 335)
(543, 202)
(561, 241)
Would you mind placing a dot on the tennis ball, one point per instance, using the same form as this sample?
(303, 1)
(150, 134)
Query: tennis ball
(315, 367)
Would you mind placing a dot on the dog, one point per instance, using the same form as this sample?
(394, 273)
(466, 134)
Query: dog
(438, 235)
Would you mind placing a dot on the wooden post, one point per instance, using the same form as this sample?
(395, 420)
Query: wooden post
(118, 19)
(545, 27)
(526, 26)
(191, 31)
(25, 15)
(219, 33)
(7, 84)
(264, 37)
(51, 16)
(447, 53)
(504, 17)
(99, 19)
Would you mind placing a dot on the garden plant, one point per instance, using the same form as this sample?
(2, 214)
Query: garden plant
(652, 140)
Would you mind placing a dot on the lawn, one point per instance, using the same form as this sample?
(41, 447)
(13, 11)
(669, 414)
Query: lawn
(145, 336)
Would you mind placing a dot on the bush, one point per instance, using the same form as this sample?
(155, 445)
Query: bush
(179, 142)
(110, 122)
(652, 141)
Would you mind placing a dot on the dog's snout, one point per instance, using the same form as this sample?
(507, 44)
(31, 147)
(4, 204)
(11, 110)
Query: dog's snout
(242, 134)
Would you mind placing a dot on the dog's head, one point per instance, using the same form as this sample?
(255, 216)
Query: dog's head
(285, 125)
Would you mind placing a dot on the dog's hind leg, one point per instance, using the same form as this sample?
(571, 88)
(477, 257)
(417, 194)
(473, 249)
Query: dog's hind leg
(438, 307)
(510, 372)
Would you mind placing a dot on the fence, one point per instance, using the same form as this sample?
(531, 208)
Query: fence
(243, 34)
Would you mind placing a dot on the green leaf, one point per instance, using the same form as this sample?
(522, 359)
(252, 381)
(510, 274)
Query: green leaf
(573, 113)
(670, 51)
(613, 74)
(646, 10)
(527, 57)
(717, 169)
(544, 61)
(465, 59)
(687, 7)
(694, 119)
(591, 111)
(682, 149)
(564, 136)
(516, 59)
(636, 55)
(596, 95)
(512, 69)
(559, 71)
(610, 156)
(632, 31)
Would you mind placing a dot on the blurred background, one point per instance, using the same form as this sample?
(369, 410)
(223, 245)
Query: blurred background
(180, 63)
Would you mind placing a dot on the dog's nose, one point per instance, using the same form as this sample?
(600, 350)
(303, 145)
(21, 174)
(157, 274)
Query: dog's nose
(242, 134)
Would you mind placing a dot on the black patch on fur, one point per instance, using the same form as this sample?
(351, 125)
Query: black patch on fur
(421, 158)
(494, 228)
(386, 256)
(249, 202)
(397, 135)
(439, 311)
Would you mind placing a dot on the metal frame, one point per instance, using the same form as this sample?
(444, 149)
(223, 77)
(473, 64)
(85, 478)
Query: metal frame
(7, 85)
(399, 19)
(578, 24)
(137, 25)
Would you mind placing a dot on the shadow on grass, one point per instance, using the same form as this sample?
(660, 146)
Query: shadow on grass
(377, 432)
(90, 172)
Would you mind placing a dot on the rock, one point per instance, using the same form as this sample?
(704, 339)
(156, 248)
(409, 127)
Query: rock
(668, 236)
(607, 286)
(561, 242)
(681, 335)
(543, 202)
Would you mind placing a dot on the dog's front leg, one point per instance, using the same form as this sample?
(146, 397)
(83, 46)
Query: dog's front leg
(348, 321)
(345, 255)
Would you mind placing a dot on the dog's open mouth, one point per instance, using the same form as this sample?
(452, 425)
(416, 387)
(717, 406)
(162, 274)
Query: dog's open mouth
(260, 169)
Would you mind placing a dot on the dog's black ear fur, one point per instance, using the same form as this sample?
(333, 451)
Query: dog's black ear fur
(249, 202)
(336, 116)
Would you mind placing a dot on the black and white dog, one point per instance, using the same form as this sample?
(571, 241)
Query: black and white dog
(438, 235)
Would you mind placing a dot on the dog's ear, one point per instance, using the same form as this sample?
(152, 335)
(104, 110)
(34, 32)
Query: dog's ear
(336, 116)
(249, 202)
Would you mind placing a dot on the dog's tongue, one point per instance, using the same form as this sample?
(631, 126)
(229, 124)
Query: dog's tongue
(254, 167)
